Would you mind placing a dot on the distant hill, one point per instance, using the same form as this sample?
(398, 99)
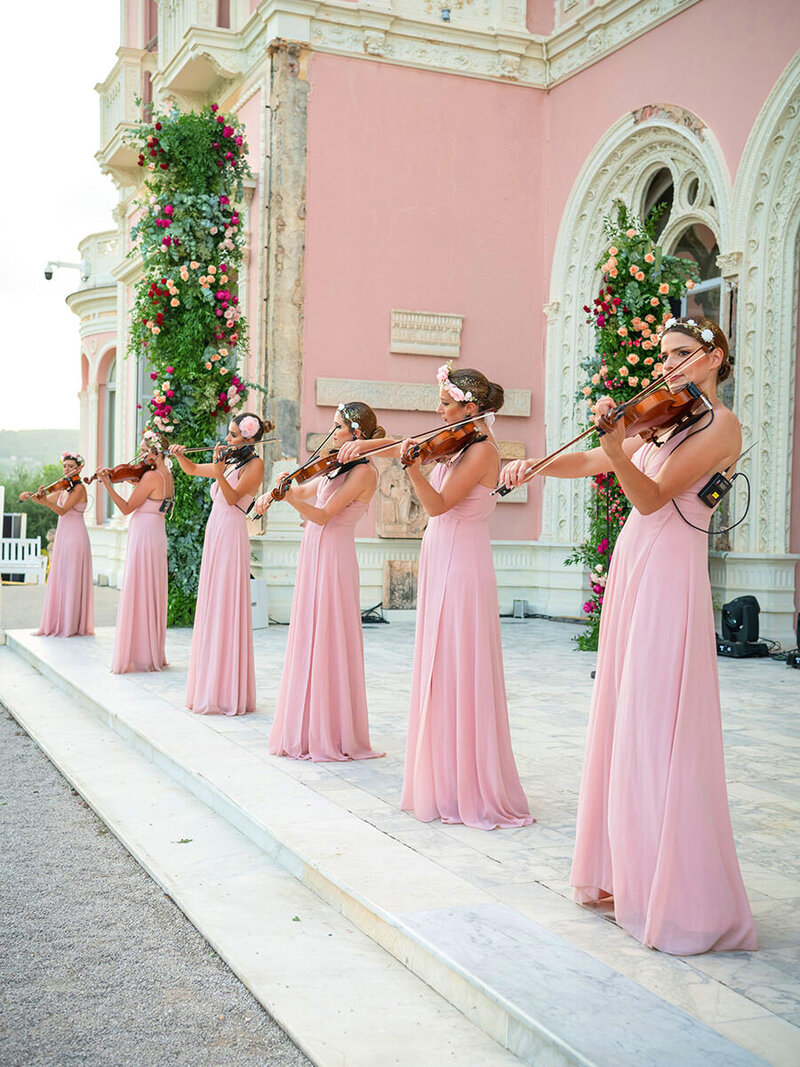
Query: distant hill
(35, 447)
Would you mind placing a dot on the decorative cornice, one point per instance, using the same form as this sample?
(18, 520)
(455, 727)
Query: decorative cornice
(487, 40)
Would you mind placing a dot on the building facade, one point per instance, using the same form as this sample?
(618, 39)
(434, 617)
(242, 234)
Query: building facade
(431, 179)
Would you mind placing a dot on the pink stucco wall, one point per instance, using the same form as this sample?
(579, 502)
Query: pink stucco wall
(718, 59)
(423, 194)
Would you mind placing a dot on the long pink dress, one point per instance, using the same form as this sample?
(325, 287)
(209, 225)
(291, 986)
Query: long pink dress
(69, 596)
(459, 763)
(222, 674)
(654, 830)
(322, 702)
(140, 638)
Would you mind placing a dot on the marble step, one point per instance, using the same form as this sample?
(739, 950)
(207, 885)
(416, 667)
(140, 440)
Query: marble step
(340, 996)
(530, 990)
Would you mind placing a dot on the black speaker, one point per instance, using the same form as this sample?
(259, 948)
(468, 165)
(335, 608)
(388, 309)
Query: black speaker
(740, 620)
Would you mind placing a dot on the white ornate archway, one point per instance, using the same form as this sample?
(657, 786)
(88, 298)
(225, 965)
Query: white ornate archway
(619, 168)
(767, 217)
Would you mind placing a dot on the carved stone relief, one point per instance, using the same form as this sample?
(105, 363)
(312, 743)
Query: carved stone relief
(400, 584)
(398, 512)
(426, 333)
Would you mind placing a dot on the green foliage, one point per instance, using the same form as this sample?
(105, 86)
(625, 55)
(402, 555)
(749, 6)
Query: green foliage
(23, 478)
(638, 283)
(186, 322)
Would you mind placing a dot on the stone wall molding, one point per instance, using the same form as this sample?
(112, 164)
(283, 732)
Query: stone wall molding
(404, 396)
(618, 168)
(767, 210)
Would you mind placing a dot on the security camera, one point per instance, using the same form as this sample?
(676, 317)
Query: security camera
(48, 272)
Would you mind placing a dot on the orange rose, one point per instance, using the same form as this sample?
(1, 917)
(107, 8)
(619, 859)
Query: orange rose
(613, 272)
(647, 344)
(623, 372)
(649, 258)
(690, 284)
(648, 359)
(613, 251)
(633, 359)
(587, 390)
(663, 288)
(645, 382)
(633, 381)
(654, 301)
(208, 366)
(639, 276)
(623, 331)
(630, 233)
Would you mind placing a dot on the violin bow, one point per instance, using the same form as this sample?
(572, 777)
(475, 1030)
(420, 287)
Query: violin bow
(537, 468)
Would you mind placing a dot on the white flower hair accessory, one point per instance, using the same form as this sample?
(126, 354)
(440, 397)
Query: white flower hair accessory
(73, 455)
(249, 426)
(690, 326)
(443, 378)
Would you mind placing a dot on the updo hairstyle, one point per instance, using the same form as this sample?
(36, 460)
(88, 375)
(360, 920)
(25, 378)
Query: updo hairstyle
(360, 416)
(264, 425)
(489, 396)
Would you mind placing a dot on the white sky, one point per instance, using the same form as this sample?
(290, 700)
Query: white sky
(53, 195)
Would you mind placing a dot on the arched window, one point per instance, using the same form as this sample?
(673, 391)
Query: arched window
(699, 244)
(110, 428)
(660, 194)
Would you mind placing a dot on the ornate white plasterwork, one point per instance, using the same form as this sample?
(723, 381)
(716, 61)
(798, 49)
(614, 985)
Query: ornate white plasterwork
(767, 212)
(426, 333)
(485, 38)
(619, 168)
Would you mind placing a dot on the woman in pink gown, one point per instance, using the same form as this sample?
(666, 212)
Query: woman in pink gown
(459, 762)
(222, 679)
(321, 712)
(69, 596)
(141, 633)
(654, 832)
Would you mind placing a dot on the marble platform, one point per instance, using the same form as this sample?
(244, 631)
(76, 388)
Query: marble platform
(486, 919)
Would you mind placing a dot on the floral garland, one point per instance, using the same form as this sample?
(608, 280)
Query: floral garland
(639, 287)
(186, 321)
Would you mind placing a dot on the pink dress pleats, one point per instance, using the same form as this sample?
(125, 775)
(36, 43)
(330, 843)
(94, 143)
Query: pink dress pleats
(222, 675)
(459, 763)
(321, 712)
(139, 641)
(654, 829)
(69, 597)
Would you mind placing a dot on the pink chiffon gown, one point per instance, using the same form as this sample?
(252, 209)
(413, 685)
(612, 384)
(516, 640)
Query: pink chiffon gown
(140, 638)
(322, 702)
(459, 763)
(222, 675)
(69, 596)
(654, 829)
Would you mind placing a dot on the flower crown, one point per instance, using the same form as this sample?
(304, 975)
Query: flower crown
(249, 426)
(352, 423)
(705, 335)
(73, 455)
(443, 378)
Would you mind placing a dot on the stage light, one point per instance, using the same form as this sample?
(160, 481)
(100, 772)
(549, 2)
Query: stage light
(740, 629)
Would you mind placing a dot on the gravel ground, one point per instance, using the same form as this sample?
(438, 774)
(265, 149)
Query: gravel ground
(21, 606)
(97, 966)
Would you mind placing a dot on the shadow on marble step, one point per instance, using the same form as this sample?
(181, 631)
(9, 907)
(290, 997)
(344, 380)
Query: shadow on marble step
(529, 989)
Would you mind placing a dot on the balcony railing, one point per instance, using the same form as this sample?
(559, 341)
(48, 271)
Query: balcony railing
(175, 17)
(118, 95)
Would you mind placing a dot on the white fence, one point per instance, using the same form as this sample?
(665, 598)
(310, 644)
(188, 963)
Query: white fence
(23, 556)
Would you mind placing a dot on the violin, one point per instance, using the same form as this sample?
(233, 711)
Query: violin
(68, 482)
(443, 443)
(326, 464)
(124, 472)
(653, 412)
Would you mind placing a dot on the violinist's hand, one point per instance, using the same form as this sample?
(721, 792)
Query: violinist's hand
(405, 447)
(351, 450)
(217, 464)
(262, 503)
(177, 450)
(613, 436)
(102, 476)
(26, 496)
(515, 473)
